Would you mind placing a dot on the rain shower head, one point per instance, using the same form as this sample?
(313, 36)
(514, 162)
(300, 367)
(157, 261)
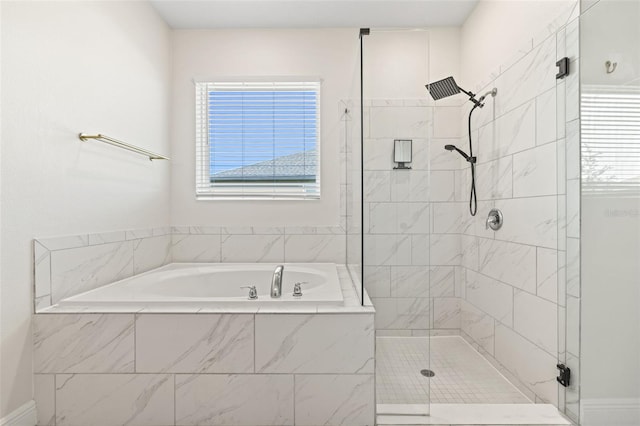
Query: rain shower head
(448, 87)
(443, 88)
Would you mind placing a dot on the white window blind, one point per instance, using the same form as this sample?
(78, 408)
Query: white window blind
(258, 140)
(610, 139)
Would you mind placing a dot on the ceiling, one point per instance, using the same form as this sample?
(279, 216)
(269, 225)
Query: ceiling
(203, 14)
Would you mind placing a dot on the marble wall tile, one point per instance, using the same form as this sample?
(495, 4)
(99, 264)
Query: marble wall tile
(403, 313)
(445, 249)
(510, 263)
(446, 313)
(215, 230)
(532, 365)
(245, 399)
(378, 154)
(442, 185)
(546, 117)
(534, 171)
(410, 281)
(109, 399)
(561, 161)
(387, 250)
(547, 274)
(42, 270)
(494, 179)
(530, 76)
(135, 234)
(478, 325)
(413, 218)
(316, 230)
(383, 218)
(490, 296)
(107, 237)
(315, 248)
(252, 248)
(446, 122)
(195, 248)
(377, 186)
(572, 87)
(573, 267)
(514, 132)
(463, 183)
(199, 343)
(411, 185)
(529, 221)
(420, 249)
(469, 251)
(537, 320)
(81, 269)
(442, 281)
(83, 343)
(572, 40)
(334, 400)
(561, 107)
(314, 343)
(44, 394)
(377, 280)
(150, 253)
(399, 122)
(450, 218)
(246, 230)
(64, 242)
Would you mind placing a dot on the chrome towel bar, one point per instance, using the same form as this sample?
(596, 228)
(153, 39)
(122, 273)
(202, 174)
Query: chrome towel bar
(115, 142)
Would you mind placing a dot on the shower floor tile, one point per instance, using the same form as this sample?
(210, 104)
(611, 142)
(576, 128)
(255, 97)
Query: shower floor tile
(462, 375)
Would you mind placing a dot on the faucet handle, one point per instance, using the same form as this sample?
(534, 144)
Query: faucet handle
(297, 288)
(253, 293)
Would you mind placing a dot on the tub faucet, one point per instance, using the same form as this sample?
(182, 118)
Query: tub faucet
(276, 282)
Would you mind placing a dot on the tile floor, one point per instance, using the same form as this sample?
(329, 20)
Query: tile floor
(462, 375)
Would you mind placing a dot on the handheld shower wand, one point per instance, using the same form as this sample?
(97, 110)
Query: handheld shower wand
(448, 87)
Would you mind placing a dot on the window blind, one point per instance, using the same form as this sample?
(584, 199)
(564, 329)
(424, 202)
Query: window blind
(258, 140)
(610, 139)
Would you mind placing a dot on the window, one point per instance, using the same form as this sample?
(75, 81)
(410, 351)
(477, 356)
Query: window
(611, 140)
(258, 140)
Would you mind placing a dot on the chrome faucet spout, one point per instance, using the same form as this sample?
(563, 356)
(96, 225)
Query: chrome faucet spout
(276, 281)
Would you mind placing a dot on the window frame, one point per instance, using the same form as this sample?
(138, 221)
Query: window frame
(205, 189)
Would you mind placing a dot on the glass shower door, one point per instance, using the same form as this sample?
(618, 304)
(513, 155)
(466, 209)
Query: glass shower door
(396, 214)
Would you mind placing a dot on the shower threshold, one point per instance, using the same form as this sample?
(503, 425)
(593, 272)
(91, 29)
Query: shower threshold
(470, 414)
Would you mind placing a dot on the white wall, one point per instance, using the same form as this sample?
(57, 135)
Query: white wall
(497, 29)
(610, 233)
(71, 67)
(331, 54)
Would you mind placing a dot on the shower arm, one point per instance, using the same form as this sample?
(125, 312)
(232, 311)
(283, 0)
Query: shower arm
(472, 97)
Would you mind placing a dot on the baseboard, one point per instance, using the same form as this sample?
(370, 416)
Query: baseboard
(610, 412)
(23, 416)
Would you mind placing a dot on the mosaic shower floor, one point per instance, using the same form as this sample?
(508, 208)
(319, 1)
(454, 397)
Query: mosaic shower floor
(462, 375)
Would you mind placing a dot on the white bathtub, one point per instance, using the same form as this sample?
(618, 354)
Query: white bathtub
(215, 285)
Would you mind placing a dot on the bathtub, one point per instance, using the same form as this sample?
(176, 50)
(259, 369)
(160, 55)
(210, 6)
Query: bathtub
(215, 285)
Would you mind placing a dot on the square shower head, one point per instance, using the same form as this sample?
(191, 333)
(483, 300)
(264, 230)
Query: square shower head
(443, 88)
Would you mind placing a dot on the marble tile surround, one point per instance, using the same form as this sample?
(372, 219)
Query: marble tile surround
(69, 265)
(206, 368)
